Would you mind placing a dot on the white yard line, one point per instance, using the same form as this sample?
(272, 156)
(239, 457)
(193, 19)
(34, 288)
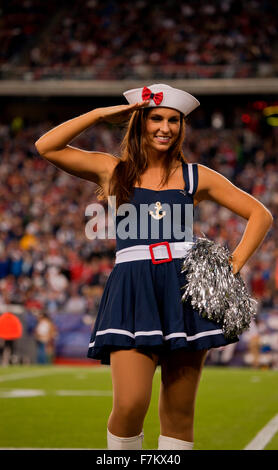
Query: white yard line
(264, 436)
(83, 393)
(31, 393)
(39, 373)
(26, 375)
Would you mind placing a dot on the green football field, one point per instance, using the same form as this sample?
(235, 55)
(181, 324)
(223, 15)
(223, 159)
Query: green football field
(68, 407)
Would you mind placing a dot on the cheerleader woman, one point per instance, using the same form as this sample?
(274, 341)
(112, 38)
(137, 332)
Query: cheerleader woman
(141, 321)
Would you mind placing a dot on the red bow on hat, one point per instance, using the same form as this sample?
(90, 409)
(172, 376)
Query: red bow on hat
(156, 97)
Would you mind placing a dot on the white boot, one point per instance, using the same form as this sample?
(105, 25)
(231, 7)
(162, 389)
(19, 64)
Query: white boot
(124, 443)
(170, 443)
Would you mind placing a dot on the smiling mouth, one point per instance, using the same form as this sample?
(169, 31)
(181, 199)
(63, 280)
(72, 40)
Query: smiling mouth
(162, 139)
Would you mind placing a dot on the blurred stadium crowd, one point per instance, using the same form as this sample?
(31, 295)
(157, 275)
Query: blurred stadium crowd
(108, 39)
(47, 265)
(46, 261)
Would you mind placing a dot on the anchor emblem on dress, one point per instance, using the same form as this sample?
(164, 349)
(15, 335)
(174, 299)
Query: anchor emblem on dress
(156, 214)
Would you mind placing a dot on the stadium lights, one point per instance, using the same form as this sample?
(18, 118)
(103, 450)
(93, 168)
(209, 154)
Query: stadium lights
(271, 113)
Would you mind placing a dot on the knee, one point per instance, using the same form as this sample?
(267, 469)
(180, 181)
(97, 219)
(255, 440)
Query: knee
(132, 409)
(127, 417)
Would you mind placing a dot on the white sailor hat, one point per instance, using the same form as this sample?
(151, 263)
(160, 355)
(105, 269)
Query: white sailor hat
(163, 96)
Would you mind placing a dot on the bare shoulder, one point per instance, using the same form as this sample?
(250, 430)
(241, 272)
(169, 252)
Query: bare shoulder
(206, 176)
(208, 180)
(205, 179)
(215, 187)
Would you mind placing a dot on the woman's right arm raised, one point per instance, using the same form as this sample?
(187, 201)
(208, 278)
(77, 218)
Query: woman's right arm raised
(90, 165)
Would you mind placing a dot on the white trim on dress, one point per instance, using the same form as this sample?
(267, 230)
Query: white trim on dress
(157, 332)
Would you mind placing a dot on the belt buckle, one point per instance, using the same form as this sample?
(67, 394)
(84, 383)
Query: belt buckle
(164, 260)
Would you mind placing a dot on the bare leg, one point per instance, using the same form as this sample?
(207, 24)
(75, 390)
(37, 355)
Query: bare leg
(132, 375)
(181, 372)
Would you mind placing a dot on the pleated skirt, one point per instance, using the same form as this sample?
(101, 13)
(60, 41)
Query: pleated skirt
(142, 308)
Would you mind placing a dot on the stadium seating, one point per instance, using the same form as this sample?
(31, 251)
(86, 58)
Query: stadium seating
(139, 40)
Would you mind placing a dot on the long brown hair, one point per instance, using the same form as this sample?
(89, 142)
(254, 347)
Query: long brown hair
(134, 157)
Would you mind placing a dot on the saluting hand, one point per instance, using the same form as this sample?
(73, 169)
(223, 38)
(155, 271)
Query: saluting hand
(117, 114)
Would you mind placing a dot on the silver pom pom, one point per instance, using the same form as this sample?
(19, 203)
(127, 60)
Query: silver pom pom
(214, 290)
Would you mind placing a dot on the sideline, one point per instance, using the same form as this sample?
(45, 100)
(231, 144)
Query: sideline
(264, 436)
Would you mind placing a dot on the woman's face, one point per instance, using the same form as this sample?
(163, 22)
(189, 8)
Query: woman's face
(162, 128)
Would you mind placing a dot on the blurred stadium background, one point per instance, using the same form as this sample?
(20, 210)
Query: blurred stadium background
(60, 60)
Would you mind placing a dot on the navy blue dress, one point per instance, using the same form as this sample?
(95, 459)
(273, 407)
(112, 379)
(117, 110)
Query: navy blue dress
(142, 305)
